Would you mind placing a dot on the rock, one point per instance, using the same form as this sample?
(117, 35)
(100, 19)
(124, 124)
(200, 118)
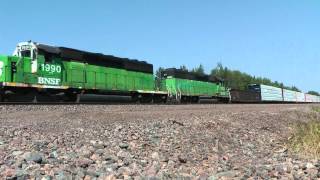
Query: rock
(153, 169)
(19, 163)
(182, 158)
(2, 142)
(33, 156)
(80, 174)
(225, 174)
(94, 157)
(155, 155)
(124, 155)
(84, 162)
(53, 154)
(281, 169)
(123, 145)
(92, 173)
(124, 171)
(143, 163)
(100, 151)
(21, 174)
(17, 153)
(110, 177)
(46, 177)
(9, 173)
(309, 166)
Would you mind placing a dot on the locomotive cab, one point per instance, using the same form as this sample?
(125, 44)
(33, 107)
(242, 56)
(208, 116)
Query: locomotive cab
(27, 50)
(31, 66)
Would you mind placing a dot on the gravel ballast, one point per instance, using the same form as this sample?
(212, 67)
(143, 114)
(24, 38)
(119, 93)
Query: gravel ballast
(205, 141)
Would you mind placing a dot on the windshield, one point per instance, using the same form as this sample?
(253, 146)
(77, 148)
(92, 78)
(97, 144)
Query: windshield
(26, 53)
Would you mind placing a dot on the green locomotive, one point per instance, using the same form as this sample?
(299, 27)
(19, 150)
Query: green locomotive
(189, 87)
(40, 71)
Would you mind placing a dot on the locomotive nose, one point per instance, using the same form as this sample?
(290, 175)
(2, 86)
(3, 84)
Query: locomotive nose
(1, 70)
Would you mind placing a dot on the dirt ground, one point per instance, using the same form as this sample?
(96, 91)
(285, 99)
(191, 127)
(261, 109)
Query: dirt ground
(206, 141)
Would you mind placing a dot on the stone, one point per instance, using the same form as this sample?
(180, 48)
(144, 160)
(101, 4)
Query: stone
(46, 177)
(94, 157)
(225, 174)
(123, 145)
(53, 154)
(99, 151)
(9, 173)
(33, 156)
(182, 158)
(155, 155)
(110, 177)
(153, 169)
(92, 173)
(17, 153)
(124, 155)
(84, 162)
(309, 166)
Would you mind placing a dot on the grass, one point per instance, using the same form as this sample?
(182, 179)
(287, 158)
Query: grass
(316, 109)
(306, 137)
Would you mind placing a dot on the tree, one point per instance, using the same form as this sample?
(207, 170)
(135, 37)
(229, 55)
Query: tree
(184, 68)
(314, 93)
(240, 80)
(199, 70)
(294, 88)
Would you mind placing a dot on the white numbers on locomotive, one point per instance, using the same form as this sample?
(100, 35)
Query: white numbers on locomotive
(51, 68)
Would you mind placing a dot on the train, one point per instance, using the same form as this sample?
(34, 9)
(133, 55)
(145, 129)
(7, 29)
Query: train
(260, 93)
(38, 72)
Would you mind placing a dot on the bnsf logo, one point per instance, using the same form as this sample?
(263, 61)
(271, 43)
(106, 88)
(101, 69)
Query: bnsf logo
(48, 81)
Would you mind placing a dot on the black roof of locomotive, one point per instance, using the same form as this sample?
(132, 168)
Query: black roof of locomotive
(179, 73)
(96, 58)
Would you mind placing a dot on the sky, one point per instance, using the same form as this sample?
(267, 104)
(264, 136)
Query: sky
(276, 39)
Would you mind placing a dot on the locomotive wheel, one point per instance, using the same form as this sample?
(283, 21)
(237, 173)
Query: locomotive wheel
(72, 97)
(185, 99)
(146, 98)
(158, 99)
(20, 96)
(45, 97)
(195, 99)
(135, 98)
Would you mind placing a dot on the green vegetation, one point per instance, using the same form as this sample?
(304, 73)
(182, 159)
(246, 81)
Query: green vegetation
(316, 109)
(198, 70)
(314, 93)
(239, 80)
(306, 137)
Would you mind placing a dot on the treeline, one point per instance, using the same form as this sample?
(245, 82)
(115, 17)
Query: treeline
(236, 79)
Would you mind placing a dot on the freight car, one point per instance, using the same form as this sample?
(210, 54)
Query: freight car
(38, 72)
(259, 93)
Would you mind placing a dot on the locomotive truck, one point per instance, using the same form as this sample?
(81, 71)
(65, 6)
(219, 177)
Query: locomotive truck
(37, 72)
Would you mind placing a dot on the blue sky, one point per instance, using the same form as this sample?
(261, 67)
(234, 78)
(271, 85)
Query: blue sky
(271, 38)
